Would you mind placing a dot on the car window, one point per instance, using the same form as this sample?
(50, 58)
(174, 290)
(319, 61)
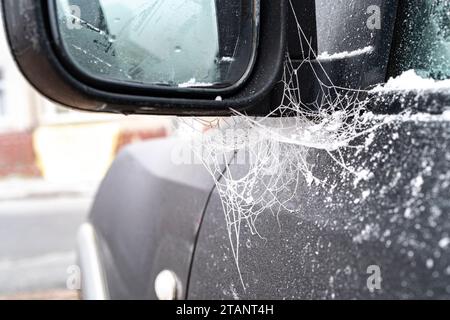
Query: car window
(423, 41)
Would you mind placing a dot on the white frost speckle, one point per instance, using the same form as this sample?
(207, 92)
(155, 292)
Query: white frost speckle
(396, 179)
(436, 212)
(227, 59)
(408, 213)
(444, 242)
(365, 194)
(430, 263)
(371, 231)
(248, 244)
(348, 270)
(416, 185)
(369, 139)
(364, 174)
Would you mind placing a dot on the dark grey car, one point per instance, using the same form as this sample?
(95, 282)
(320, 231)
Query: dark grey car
(369, 220)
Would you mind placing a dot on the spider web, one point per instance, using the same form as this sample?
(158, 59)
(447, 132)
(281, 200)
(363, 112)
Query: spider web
(274, 149)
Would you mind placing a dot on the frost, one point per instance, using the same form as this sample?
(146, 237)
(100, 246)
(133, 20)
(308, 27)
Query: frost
(371, 231)
(409, 117)
(417, 185)
(410, 81)
(444, 242)
(193, 83)
(227, 59)
(365, 194)
(346, 54)
(369, 140)
(364, 174)
(408, 213)
(96, 59)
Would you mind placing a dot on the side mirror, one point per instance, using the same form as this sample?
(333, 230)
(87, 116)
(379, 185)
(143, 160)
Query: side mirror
(178, 57)
(198, 57)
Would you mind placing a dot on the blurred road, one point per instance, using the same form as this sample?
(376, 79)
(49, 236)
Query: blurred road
(37, 242)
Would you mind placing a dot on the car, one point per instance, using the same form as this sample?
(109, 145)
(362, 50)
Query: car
(325, 176)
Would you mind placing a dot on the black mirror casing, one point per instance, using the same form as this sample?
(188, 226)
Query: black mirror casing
(36, 52)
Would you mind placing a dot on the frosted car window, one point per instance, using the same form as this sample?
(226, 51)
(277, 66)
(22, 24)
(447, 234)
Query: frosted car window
(181, 43)
(425, 38)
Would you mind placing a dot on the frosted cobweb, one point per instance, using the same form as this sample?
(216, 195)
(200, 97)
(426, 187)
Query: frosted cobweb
(274, 149)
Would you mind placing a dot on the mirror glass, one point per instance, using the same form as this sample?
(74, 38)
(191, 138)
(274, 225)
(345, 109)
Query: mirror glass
(172, 43)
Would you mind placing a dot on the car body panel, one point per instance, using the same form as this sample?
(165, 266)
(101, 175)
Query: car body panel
(394, 217)
(146, 215)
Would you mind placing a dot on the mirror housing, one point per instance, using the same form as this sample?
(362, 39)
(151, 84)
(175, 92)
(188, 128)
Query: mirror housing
(31, 36)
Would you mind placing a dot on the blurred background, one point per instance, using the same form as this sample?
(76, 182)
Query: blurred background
(51, 163)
